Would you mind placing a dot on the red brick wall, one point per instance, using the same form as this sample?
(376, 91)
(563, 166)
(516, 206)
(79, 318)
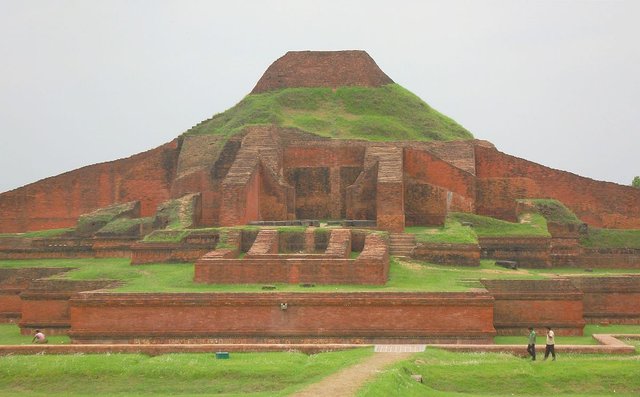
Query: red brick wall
(58, 201)
(309, 317)
(610, 258)
(288, 270)
(448, 254)
(425, 167)
(527, 251)
(496, 197)
(143, 253)
(601, 204)
(45, 304)
(424, 204)
(322, 69)
(320, 173)
(10, 304)
(610, 299)
(390, 206)
(520, 304)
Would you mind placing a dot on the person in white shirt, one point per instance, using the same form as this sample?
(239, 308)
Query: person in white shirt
(39, 337)
(551, 344)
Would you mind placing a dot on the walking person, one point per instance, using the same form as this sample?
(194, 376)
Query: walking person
(531, 346)
(551, 344)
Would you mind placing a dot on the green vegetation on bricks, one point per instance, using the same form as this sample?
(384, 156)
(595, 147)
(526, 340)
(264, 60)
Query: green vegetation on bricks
(611, 238)
(553, 210)
(40, 233)
(452, 233)
(530, 225)
(387, 113)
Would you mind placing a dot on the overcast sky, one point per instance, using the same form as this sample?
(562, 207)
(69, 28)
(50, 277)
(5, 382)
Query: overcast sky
(82, 82)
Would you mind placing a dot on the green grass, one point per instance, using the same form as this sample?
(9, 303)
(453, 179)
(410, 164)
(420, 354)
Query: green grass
(40, 233)
(387, 113)
(10, 335)
(611, 238)
(243, 374)
(124, 225)
(452, 233)
(586, 339)
(530, 225)
(96, 219)
(489, 374)
(166, 236)
(553, 210)
(403, 276)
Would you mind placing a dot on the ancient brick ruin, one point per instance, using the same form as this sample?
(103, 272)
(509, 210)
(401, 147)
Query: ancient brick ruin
(274, 174)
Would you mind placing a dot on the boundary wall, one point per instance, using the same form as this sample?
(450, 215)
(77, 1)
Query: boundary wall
(367, 317)
(520, 304)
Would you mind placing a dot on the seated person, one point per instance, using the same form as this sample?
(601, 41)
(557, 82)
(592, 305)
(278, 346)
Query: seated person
(39, 337)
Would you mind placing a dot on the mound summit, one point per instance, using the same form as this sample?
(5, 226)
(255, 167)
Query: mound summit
(330, 69)
(323, 135)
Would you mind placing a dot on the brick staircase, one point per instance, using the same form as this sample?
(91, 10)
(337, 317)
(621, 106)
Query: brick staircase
(401, 244)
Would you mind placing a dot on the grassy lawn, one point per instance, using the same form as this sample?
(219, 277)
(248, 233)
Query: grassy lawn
(10, 335)
(489, 374)
(403, 276)
(244, 374)
(586, 339)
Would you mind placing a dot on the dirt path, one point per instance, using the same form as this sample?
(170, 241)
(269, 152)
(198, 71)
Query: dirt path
(346, 383)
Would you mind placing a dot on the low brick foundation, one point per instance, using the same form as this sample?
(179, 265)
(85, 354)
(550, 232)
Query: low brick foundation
(262, 264)
(448, 254)
(45, 304)
(520, 304)
(526, 251)
(282, 318)
(13, 282)
(610, 300)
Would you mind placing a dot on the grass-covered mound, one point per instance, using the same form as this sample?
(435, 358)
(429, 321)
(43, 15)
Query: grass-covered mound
(403, 276)
(552, 210)
(611, 238)
(490, 374)
(529, 225)
(387, 113)
(451, 233)
(243, 374)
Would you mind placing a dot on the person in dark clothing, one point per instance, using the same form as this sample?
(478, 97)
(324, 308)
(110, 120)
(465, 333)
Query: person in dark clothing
(531, 346)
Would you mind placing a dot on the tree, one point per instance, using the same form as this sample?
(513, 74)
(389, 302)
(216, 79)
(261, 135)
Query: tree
(636, 182)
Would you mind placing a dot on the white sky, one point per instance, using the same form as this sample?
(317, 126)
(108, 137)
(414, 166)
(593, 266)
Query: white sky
(81, 82)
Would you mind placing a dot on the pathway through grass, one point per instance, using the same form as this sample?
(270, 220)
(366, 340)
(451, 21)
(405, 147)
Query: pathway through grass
(244, 374)
(489, 374)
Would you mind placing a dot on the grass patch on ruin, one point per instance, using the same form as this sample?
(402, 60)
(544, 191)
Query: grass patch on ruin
(529, 225)
(40, 233)
(611, 238)
(451, 233)
(387, 113)
(243, 374)
(553, 210)
(404, 275)
(10, 335)
(492, 374)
